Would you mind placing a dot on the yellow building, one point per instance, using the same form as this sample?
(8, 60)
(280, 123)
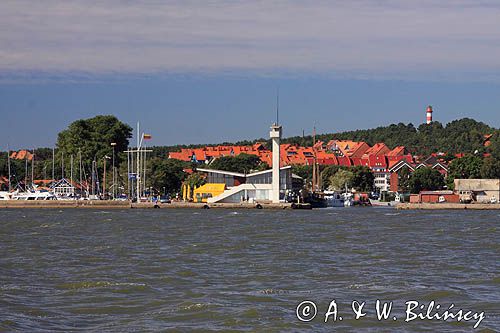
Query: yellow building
(209, 190)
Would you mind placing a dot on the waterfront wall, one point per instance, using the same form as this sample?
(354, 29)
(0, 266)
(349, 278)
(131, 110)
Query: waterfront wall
(105, 204)
(447, 205)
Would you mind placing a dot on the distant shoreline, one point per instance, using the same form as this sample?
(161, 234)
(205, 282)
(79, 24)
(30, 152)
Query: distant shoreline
(454, 206)
(104, 204)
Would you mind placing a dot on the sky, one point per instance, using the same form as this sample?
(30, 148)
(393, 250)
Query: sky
(209, 71)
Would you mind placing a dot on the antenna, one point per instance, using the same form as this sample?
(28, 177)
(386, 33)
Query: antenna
(277, 106)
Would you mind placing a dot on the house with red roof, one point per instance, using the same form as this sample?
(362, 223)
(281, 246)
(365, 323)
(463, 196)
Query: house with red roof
(21, 155)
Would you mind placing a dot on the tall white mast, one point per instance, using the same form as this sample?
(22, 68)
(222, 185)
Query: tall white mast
(137, 174)
(62, 164)
(33, 168)
(26, 172)
(80, 167)
(71, 168)
(53, 164)
(8, 165)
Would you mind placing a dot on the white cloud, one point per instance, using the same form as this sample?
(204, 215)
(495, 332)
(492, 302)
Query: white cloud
(384, 39)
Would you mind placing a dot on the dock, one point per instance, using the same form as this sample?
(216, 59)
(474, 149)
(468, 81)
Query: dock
(108, 204)
(447, 205)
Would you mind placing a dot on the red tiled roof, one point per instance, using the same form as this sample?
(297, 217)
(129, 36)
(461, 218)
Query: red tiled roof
(398, 151)
(377, 161)
(21, 155)
(378, 149)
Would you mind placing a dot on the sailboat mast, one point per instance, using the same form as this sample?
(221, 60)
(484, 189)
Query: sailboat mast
(8, 166)
(80, 169)
(138, 180)
(62, 164)
(53, 164)
(33, 168)
(25, 172)
(314, 161)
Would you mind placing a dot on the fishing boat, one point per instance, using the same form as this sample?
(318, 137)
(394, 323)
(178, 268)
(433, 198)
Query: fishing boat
(334, 199)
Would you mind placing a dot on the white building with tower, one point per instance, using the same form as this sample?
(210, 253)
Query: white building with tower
(263, 186)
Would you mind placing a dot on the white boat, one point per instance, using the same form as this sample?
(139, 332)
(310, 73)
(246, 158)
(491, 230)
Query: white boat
(334, 199)
(348, 199)
(34, 195)
(4, 195)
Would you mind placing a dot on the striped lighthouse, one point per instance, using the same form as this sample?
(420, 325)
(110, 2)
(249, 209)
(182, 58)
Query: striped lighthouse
(429, 114)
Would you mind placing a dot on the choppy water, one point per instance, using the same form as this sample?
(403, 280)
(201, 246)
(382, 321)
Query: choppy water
(184, 270)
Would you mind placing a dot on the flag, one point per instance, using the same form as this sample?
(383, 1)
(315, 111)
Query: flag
(146, 136)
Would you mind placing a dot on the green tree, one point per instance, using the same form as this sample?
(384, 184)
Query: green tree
(490, 168)
(93, 137)
(468, 166)
(243, 163)
(195, 180)
(362, 179)
(494, 147)
(340, 179)
(168, 174)
(327, 173)
(303, 171)
(425, 179)
(404, 179)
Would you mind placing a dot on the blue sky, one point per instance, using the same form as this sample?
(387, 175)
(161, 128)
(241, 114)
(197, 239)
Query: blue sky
(207, 71)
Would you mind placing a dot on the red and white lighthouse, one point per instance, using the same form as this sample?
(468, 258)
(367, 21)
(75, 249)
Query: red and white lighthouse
(429, 114)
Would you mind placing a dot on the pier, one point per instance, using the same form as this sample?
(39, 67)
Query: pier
(455, 206)
(108, 204)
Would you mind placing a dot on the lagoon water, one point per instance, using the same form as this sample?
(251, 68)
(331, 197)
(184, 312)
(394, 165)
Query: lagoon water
(243, 270)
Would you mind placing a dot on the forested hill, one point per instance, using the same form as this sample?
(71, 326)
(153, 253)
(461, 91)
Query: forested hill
(459, 136)
(465, 135)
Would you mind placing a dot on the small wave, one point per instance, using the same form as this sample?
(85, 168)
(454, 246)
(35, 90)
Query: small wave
(496, 280)
(186, 273)
(439, 294)
(97, 284)
(392, 214)
(194, 307)
(273, 291)
(251, 313)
